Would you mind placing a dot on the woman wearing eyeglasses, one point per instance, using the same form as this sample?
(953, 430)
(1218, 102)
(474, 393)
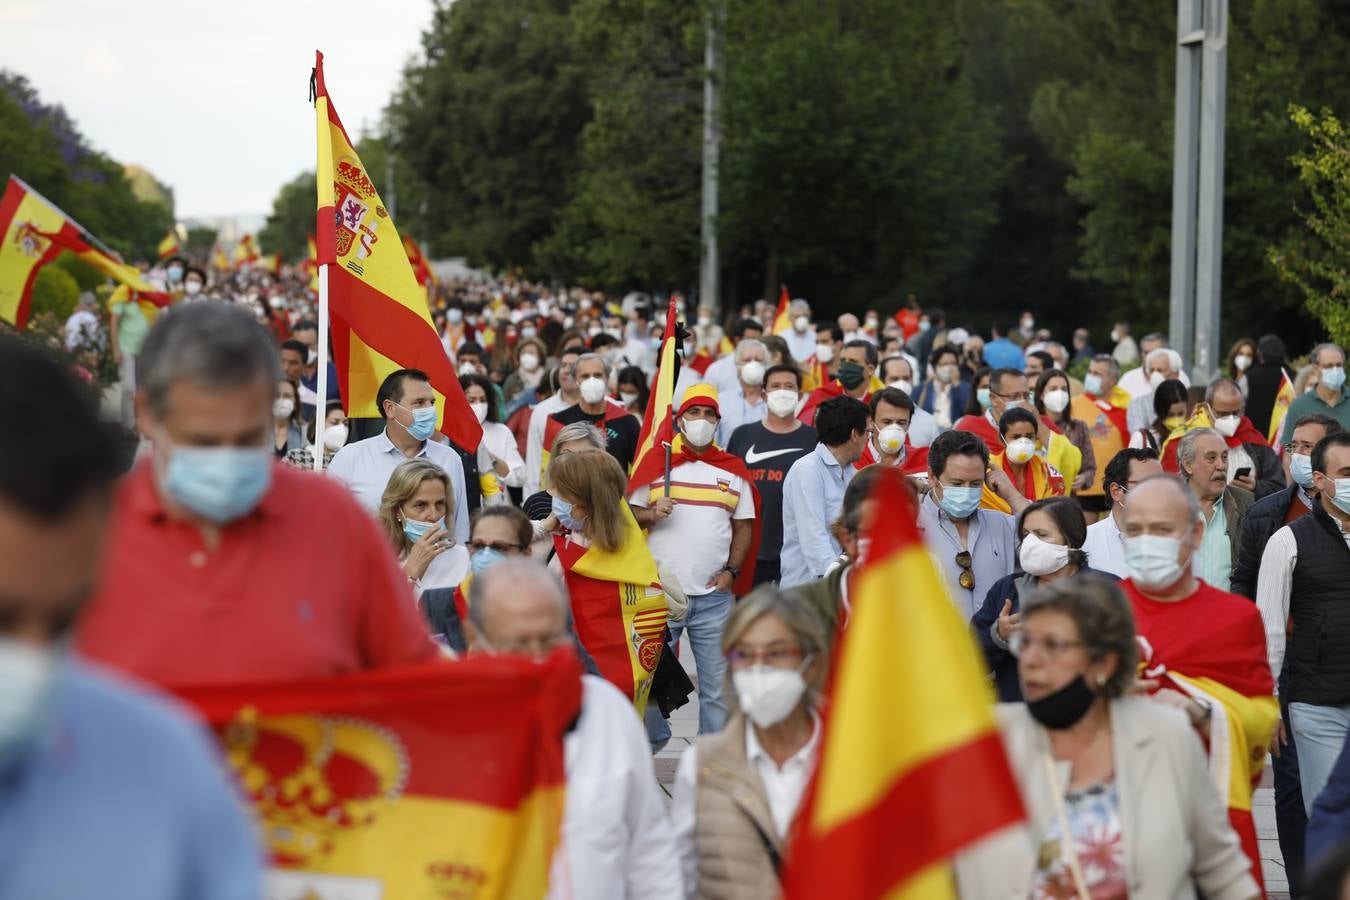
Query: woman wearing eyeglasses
(1119, 802)
(737, 792)
(1052, 532)
(495, 533)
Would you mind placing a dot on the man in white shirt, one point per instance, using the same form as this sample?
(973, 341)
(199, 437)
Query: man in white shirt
(617, 842)
(567, 395)
(722, 373)
(1104, 546)
(408, 406)
(746, 403)
(801, 340)
(1300, 591)
(1162, 364)
(1138, 381)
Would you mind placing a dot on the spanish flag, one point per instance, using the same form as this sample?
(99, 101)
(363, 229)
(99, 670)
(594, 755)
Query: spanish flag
(1283, 397)
(782, 322)
(658, 428)
(1040, 480)
(440, 780)
(379, 313)
(170, 245)
(618, 608)
(219, 261)
(911, 766)
(246, 251)
(421, 269)
(311, 262)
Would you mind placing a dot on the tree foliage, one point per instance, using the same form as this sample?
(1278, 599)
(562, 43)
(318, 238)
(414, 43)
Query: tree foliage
(291, 221)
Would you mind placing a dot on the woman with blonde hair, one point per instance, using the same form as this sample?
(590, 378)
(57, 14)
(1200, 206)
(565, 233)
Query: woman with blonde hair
(737, 791)
(413, 510)
(618, 606)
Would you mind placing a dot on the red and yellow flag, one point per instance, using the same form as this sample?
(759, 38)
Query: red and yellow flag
(896, 794)
(219, 261)
(1283, 398)
(441, 780)
(170, 245)
(379, 313)
(421, 268)
(34, 233)
(658, 428)
(246, 251)
(782, 322)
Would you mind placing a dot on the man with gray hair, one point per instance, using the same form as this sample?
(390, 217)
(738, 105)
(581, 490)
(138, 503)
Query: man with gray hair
(620, 427)
(801, 340)
(222, 565)
(1252, 465)
(617, 841)
(747, 402)
(1330, 395)
(1202, 459)
(1161, 364)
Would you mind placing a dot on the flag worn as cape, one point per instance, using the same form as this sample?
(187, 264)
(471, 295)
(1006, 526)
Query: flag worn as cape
(1041, 480)
(1212, 646)
(911, 766)
(714, 455)
(444, 779)
(1246, 434)
(618, 608)
(380, 320)
(915, 461)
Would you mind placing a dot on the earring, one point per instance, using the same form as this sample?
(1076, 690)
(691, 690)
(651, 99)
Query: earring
(1101, 681)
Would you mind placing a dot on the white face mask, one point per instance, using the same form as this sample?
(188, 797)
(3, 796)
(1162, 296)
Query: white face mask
(1156, 378)
(1242, 362)
(282, 407)
(752, 373)
(824, 352)
(27, 677)
(800, 324)
(468, 368)
(479, 411)
(529, 362)
(192, 287)
(766, 694)
(593, 390)
(891, 439)
(901, 384)
(1152, 561)
(782, 403)
(698, 432)
(1227, 425)
(628, 397)
(1039, 557)
(1021, 450)
(1056, 400)
(335, 437)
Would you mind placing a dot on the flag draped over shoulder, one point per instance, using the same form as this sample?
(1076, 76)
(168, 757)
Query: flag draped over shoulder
(911, 767)
(444, 779)
(658, 429)
(1246, 434)
(33, 233)
(380, 320)
(782, 322)
(618, 608)
(1283, 397)
(1042, 480)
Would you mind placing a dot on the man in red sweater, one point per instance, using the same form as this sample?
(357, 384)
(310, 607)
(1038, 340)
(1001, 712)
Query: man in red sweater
(224, 566)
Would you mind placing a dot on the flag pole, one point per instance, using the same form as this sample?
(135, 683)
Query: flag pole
(667, 470)
(321, 402)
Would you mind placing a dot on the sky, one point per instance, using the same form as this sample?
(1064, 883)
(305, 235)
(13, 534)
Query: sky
(211, 97)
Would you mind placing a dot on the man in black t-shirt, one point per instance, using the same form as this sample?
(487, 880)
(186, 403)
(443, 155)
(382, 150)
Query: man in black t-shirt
(621, 428)
(769, 449)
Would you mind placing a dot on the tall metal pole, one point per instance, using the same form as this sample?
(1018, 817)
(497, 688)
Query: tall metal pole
(709, 265)
(1185, 163)
(1209, 242)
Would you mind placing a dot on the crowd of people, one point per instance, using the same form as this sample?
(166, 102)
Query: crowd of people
(1150, 568)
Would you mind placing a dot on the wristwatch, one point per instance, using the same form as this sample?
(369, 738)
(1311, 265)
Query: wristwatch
(735, 572)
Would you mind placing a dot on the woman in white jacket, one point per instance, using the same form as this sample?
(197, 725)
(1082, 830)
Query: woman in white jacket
(1123, 775)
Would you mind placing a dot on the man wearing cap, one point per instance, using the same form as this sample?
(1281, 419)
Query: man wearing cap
(708, 541)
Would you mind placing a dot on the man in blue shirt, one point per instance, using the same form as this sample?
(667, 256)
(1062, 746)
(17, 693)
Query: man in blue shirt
(1001, 353)
(813, 492)
(105, 790)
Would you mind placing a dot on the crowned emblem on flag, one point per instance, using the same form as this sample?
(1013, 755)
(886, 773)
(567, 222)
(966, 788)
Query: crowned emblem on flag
(647, 630)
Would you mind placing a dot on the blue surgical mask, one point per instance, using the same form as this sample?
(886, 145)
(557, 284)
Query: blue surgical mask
(960, 502)
(563, 510)
(983, 396)
(423, 424)
(483, 559)
(1300, 467)
(1342, 498)
(1092, 384)
(175, 273)
(415, 530)
(220, 484)
(1334, 378)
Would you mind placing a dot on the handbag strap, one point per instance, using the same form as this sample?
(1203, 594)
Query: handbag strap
(1066, 845)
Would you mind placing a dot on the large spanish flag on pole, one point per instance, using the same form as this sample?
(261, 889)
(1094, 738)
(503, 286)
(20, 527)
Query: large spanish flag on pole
(911, 766)
(380, 318)
(441, 780)
(170, 245)
(658, 427)
(782, 322)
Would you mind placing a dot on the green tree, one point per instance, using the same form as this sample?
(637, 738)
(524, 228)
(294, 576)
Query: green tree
(200, 241)
(55, 293)
(1318, 261)
(291, 221)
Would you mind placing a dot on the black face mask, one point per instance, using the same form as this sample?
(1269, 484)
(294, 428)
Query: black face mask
(850, 375)
(1064, 707)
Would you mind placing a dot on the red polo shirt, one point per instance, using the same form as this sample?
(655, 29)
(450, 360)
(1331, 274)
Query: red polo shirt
(305, 586)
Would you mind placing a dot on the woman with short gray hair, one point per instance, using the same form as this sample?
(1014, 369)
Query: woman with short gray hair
(737, 792)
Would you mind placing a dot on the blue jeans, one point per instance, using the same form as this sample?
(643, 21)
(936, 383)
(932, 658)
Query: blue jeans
(704, 622)
(1320, 733)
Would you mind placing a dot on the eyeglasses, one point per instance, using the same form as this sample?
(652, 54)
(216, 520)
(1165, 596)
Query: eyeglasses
(1304, 448)
(1020, 642)
(776, 657)
(967, 571)
(499, 546)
